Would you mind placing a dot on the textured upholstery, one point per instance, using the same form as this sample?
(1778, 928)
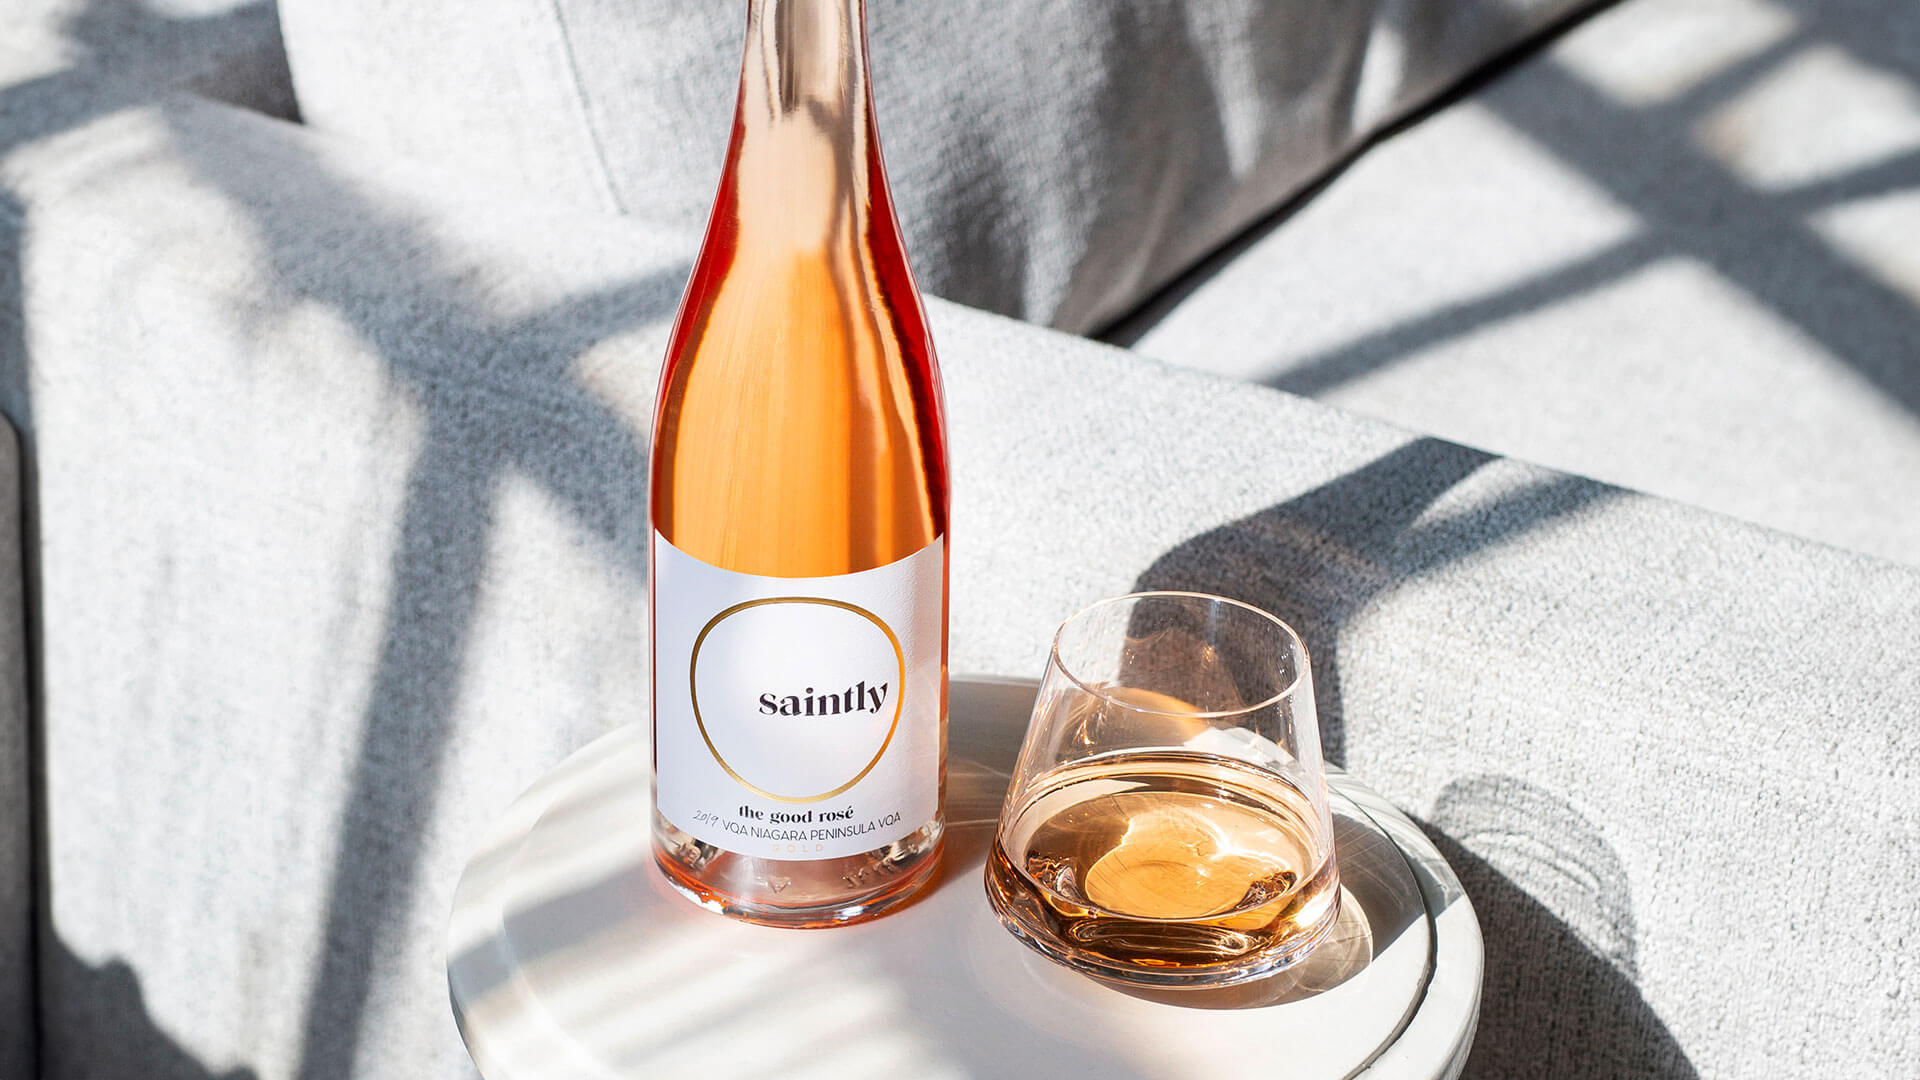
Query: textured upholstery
(1673, 251)
(58, 59)
(341, 513)
(1055, 161)
(224, 49)
(16, 825)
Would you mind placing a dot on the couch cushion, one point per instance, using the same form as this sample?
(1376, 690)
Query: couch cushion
(227, 49)
(1055, 161)
(341, 492)
(1672, 252)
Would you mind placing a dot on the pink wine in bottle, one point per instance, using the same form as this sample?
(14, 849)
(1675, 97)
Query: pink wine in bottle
(799, 499)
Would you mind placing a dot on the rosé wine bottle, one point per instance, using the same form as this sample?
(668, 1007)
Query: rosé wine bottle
(799, 498)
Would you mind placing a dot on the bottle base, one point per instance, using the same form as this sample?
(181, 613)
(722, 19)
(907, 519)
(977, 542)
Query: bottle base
(808, 917)
(794, 893)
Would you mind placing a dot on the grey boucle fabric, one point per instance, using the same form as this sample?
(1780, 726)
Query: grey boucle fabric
(16, 824)
(1055, 161)
(224, 49)
(1673, 251)
(341, 499)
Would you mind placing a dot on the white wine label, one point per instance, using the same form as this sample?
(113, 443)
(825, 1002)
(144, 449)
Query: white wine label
(798, 718)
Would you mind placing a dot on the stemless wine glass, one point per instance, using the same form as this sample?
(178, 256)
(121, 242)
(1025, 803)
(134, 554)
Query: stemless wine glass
(1168, 822)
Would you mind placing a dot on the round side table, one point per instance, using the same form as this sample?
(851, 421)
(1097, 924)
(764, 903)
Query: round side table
(569, 957)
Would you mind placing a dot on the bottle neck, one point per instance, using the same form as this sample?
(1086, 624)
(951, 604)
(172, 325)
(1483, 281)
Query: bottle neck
(804, 127)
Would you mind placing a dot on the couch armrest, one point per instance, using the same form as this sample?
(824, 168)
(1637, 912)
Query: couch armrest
(341, 491)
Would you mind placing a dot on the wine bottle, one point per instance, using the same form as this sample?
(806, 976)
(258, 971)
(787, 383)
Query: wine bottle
(799, 498)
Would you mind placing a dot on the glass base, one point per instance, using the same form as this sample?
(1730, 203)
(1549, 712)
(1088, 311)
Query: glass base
(1228, 972)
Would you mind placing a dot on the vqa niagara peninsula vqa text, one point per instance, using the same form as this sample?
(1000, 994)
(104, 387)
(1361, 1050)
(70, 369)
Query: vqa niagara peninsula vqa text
(799, 499)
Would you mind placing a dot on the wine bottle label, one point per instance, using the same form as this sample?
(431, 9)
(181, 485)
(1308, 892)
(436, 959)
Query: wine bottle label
(798, 718)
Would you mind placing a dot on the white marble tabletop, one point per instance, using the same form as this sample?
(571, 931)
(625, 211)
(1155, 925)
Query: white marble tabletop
(568, 956)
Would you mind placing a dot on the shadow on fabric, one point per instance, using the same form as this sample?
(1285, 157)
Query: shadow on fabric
(108, 998)
(474, 437)
(1318, 559)
(1559, 997)
(19, 994)
(1766, 242)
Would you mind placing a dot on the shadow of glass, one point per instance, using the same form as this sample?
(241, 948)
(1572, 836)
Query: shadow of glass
(1559, 997)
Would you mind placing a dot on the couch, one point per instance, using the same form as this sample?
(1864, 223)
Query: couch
(330, 332)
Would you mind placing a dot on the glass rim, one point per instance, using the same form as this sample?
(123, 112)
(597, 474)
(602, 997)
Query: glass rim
(1299, 643)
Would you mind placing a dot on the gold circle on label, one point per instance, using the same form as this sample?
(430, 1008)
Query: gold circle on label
(899, 699)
